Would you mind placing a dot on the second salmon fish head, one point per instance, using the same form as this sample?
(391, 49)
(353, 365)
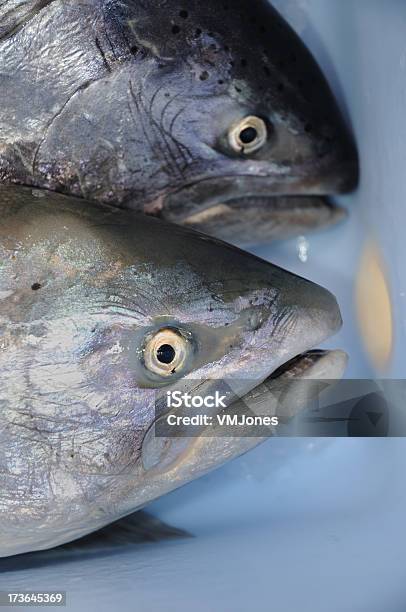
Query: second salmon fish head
(101, 311)
(168, 107)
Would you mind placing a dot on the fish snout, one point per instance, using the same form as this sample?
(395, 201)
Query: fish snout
(304, 315)
(318, 316)
(339, 168)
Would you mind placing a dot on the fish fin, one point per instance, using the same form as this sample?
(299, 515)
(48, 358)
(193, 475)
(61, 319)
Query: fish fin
(136, 528)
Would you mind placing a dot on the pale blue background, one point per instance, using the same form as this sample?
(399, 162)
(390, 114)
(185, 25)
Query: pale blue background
(297, 525)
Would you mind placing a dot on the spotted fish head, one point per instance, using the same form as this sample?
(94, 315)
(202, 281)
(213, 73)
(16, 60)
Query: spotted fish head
(168, 107)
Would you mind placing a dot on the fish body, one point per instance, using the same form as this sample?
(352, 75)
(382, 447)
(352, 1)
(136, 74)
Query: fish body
(172, 109)
(102, 312)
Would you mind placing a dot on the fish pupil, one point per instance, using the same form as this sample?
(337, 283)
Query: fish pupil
(166, 353)
(248, 135)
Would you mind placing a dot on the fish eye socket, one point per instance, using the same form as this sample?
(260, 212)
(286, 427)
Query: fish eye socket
(165, 352)
(248, 135)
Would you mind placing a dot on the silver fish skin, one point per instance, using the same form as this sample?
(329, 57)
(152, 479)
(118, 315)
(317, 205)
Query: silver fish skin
(92, 298)
(145, 105)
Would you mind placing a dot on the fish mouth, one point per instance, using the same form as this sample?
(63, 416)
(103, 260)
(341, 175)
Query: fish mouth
(290, 388)
(212, 190)
(212, 446)
(315, 363)
(250, 221)
(290, 181)
(254, 208)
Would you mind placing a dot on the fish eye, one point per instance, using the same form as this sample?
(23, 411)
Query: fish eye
(248, 135)
(165, 351)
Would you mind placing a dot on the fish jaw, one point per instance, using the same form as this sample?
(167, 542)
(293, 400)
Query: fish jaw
(215, 445)
(255, 220)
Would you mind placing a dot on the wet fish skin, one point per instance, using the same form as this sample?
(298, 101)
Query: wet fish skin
(130, 103)
(82, 288)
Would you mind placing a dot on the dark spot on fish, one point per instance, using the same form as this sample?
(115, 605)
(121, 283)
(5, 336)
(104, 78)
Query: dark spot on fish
(238, 89)
(71, 455)
(167, 95)
(226, 324)
(134, 49)
(198, 32)
(220, 82)
(175, 29)
(210, 34)
(204, 76)
(173, 371)
(184, 14)
(36, 286)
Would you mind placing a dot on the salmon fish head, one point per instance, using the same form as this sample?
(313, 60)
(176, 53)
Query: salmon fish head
(102, 312)
(166, 107)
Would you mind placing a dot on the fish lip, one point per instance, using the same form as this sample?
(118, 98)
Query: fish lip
(208, 191)
(315, 365)
(307, 360)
